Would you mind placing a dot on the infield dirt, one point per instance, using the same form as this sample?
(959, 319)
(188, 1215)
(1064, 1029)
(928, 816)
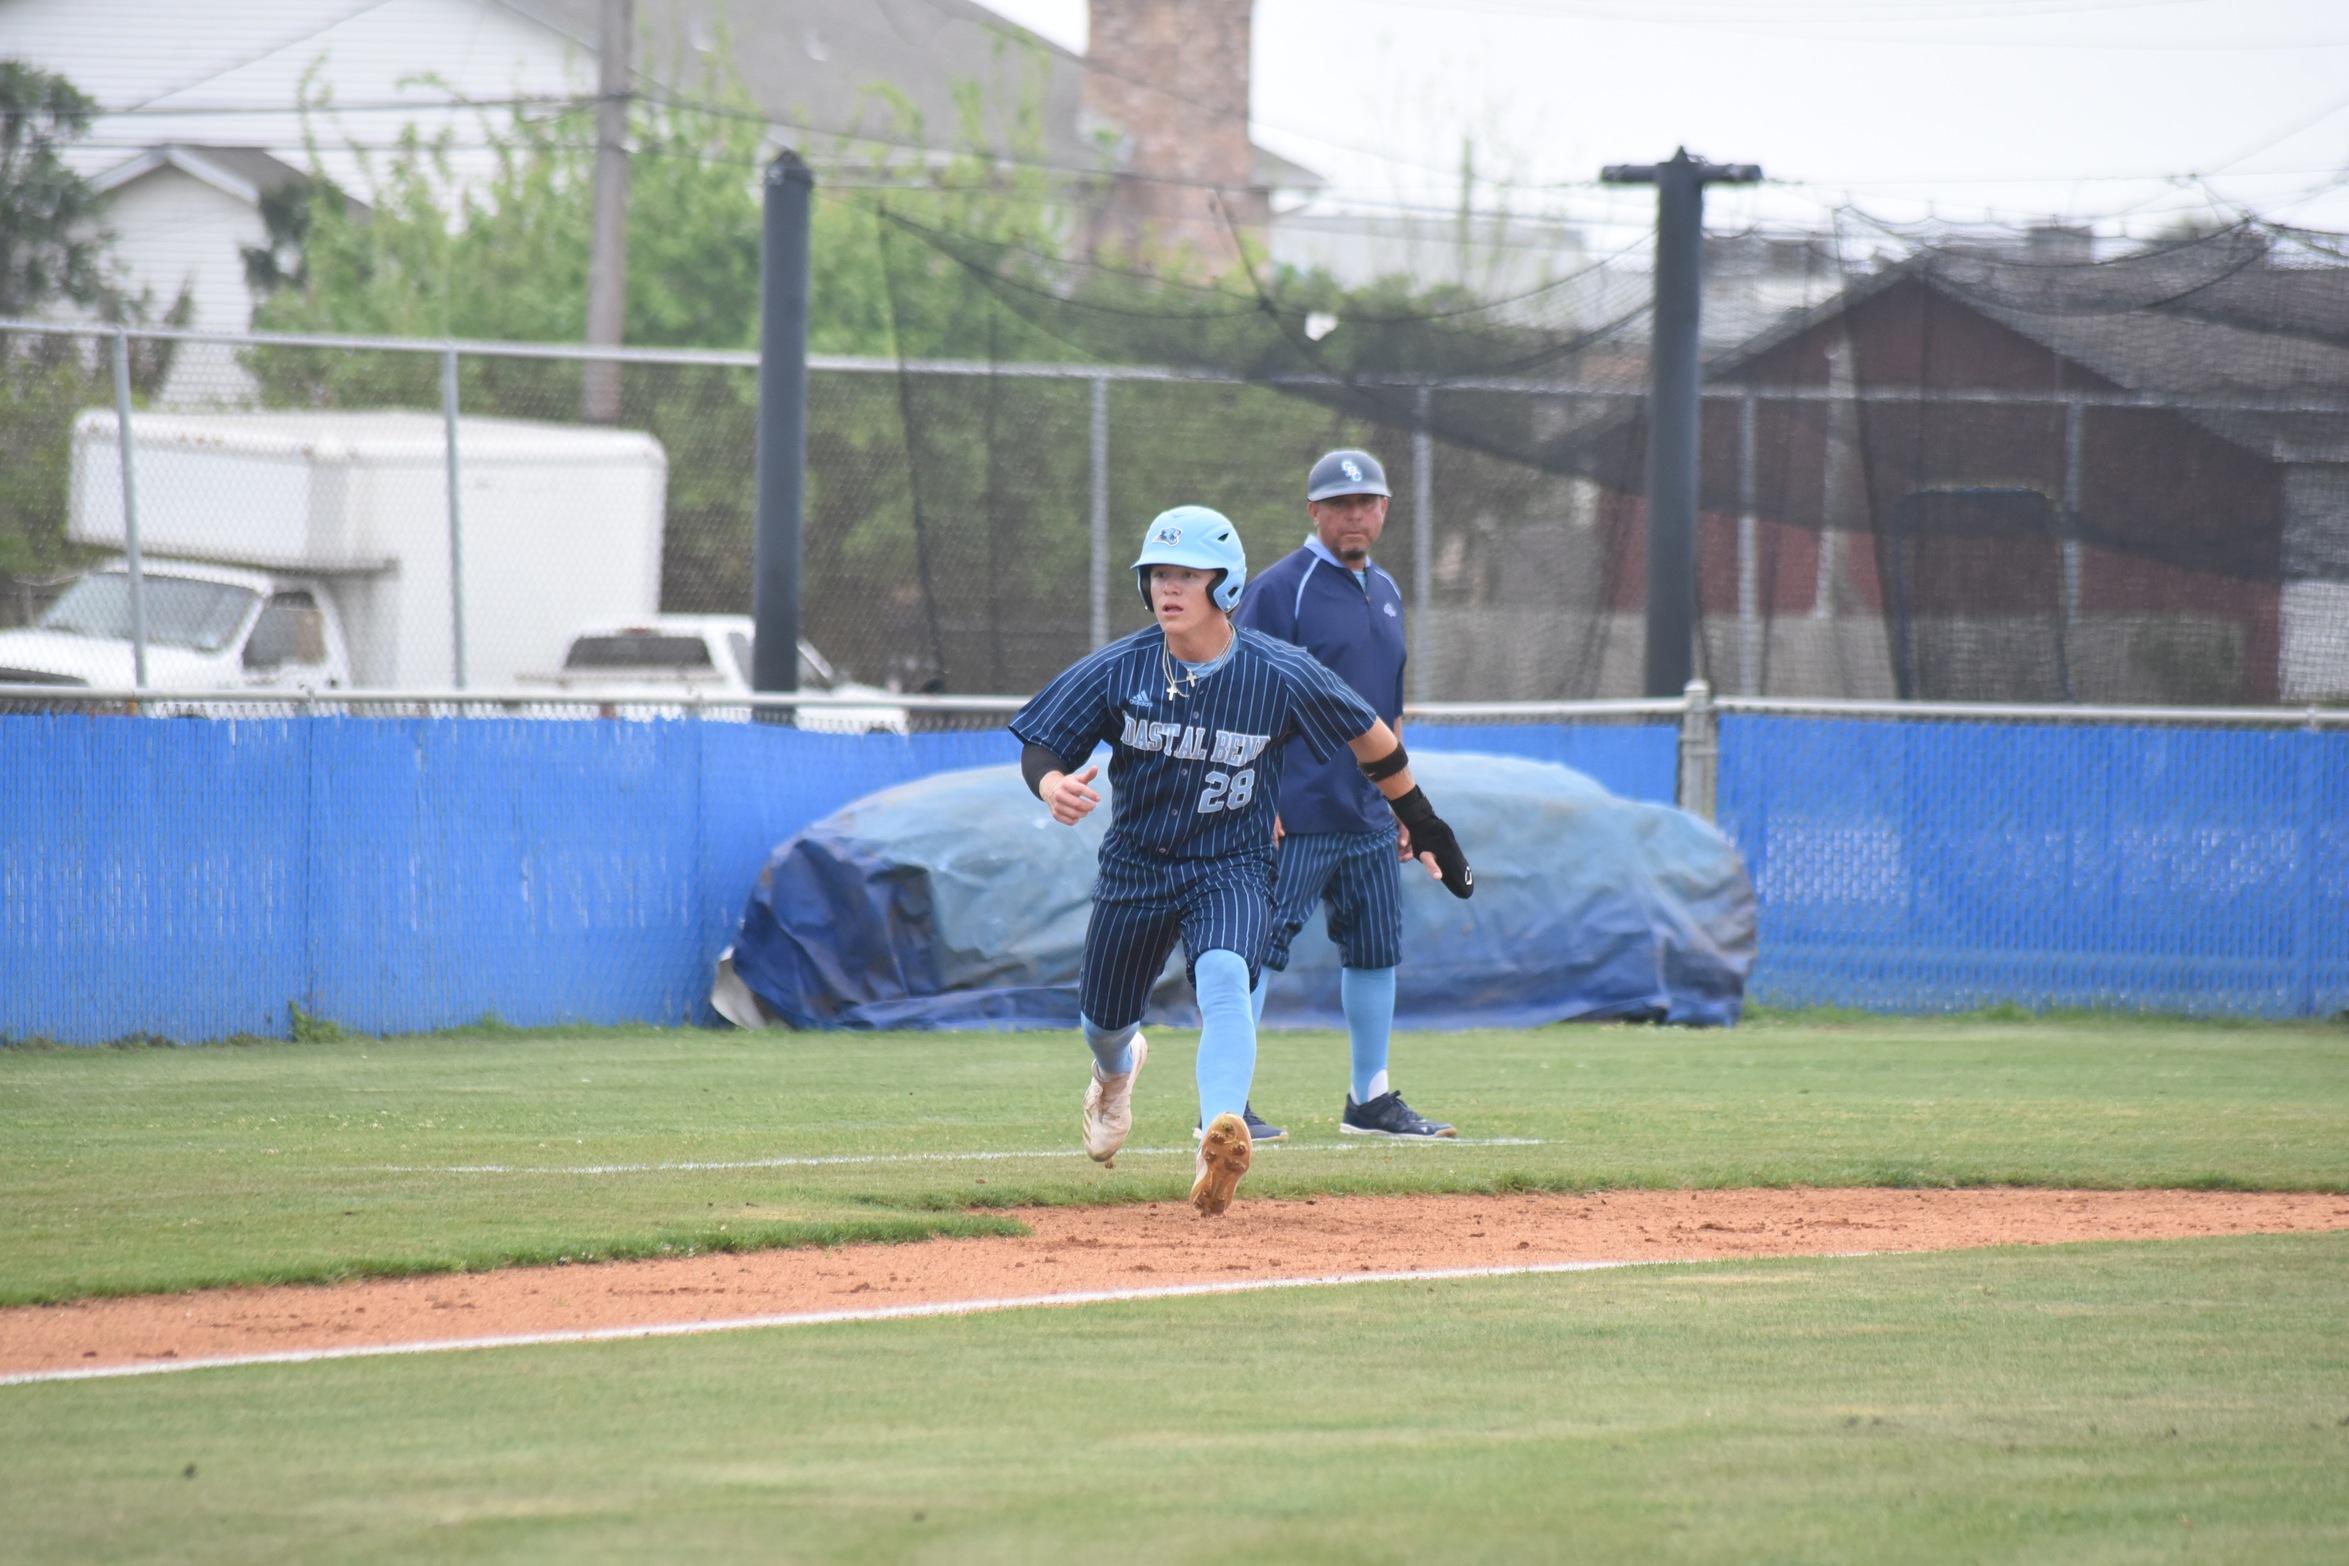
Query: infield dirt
(1075, 1250)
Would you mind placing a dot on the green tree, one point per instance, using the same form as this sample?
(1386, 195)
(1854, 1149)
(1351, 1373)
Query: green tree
(507, 261)
(945, 513)
(53, 251)
(51, 246)
(278, 262)
(507, 258)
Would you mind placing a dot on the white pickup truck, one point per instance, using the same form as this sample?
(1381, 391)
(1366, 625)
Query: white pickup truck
(209, 628)
(708, 656)
(314, 550)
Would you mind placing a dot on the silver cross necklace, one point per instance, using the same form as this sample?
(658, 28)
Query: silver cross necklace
(1181, 685)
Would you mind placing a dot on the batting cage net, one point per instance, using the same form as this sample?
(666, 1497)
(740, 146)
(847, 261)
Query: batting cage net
(1979, 467)
(2023, 466)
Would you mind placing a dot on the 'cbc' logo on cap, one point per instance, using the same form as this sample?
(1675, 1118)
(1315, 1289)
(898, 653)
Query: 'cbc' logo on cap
(1353, 469)
(1170, 535)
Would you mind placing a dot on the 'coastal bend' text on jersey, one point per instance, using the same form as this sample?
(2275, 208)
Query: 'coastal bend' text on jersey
(1194, 776)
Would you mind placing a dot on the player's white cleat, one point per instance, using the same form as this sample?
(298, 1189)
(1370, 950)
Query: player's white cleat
(1109, 1107)
(1224, 1155)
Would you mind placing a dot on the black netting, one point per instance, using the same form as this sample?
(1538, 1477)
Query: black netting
(1979, 467)
(1974, 467)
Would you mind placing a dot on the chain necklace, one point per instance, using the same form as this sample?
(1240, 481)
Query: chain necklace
(1181, 685)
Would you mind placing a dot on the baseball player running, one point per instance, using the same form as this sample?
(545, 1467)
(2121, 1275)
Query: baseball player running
(1197, 713)
(1339, 843)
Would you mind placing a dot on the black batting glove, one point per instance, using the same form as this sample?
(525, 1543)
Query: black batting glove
(1429, 835)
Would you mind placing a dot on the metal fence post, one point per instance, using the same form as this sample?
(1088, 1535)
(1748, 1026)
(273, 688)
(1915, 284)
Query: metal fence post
(130, 508)
(448, 412)
(1422, 526)
(1099, 449)
(2075, 416)
(1749, 567)
(2311, 900)
(1700, 751)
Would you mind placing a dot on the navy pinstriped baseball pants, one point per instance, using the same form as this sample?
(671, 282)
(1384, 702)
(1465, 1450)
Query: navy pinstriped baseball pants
(1142, 906)
(1356, 874)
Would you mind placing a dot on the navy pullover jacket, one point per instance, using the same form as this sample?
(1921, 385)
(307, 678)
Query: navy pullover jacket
(1355, 626)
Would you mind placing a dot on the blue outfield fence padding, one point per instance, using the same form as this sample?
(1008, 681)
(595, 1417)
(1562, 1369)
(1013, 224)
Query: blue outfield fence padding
(1630, 760)
(198, 879)
(154, 877)
(1929, 866)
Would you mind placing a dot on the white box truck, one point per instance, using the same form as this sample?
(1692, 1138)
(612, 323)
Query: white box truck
(314, 549)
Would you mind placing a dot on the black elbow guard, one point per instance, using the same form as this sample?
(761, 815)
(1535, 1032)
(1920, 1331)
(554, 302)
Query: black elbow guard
(1387, 765)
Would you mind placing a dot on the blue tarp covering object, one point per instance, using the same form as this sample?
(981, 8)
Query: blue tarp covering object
(956, 902)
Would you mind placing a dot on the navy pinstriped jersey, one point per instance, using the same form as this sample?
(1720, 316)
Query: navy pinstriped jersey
(1195, 776)
(1354, 625)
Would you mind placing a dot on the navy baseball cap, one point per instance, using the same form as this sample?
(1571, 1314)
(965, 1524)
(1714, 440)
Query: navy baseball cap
(1346, 472)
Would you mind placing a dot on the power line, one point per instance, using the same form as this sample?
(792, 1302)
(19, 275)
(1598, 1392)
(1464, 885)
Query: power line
(2284, 135)
(1354, 203)
(667, 100)
(266, 51)
(565, 103)
(331, 106)
(1442, 206)
(1344, 201)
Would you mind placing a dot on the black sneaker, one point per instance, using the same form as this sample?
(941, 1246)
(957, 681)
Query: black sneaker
(1258, 1131)
(1388, 1115)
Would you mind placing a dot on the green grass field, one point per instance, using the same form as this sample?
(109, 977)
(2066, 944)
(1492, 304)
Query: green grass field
(2114, 1402)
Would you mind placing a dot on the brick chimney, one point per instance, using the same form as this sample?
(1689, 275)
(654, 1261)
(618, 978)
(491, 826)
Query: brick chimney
(1167, 81)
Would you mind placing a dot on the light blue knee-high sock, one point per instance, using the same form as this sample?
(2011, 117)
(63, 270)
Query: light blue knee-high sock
(1369, 996)
(1227, 1033)
(1113, 1048)
(1256, 995)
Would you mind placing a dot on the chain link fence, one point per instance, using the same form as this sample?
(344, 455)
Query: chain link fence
(413, 861)
(359, 513)
(1939, 857)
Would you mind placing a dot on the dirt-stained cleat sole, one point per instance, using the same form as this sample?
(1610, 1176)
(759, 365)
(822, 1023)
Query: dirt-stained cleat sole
(1224, 1155)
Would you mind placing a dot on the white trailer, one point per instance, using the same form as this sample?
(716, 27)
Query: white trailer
(554, 525)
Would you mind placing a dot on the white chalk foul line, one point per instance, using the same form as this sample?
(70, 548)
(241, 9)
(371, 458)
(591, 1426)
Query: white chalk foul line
(832, 1159)
(823, 1318)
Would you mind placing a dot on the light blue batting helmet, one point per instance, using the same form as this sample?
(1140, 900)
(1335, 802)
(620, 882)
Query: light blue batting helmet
(1200, 538)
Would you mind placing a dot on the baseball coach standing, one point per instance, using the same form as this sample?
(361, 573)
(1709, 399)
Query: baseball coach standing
(1340, 845)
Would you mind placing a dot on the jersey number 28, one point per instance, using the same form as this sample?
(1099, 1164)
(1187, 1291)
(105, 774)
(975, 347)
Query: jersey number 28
(1228, 791)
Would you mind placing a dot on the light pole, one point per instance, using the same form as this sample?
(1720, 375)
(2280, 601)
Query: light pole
(1673, 413)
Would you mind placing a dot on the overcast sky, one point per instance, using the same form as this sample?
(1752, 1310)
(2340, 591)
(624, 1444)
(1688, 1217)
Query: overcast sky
(2128, 113)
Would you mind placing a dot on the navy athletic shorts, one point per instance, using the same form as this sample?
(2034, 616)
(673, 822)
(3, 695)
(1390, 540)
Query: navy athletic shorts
(1143, 904)
(1356, 874)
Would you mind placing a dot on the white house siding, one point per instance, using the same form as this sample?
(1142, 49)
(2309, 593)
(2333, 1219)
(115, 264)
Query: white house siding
(174, 229)
(183, 67)
(164, 55)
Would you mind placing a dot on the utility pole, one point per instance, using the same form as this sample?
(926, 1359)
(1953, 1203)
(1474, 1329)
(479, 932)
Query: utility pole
(607, 255)
(1673, 384)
